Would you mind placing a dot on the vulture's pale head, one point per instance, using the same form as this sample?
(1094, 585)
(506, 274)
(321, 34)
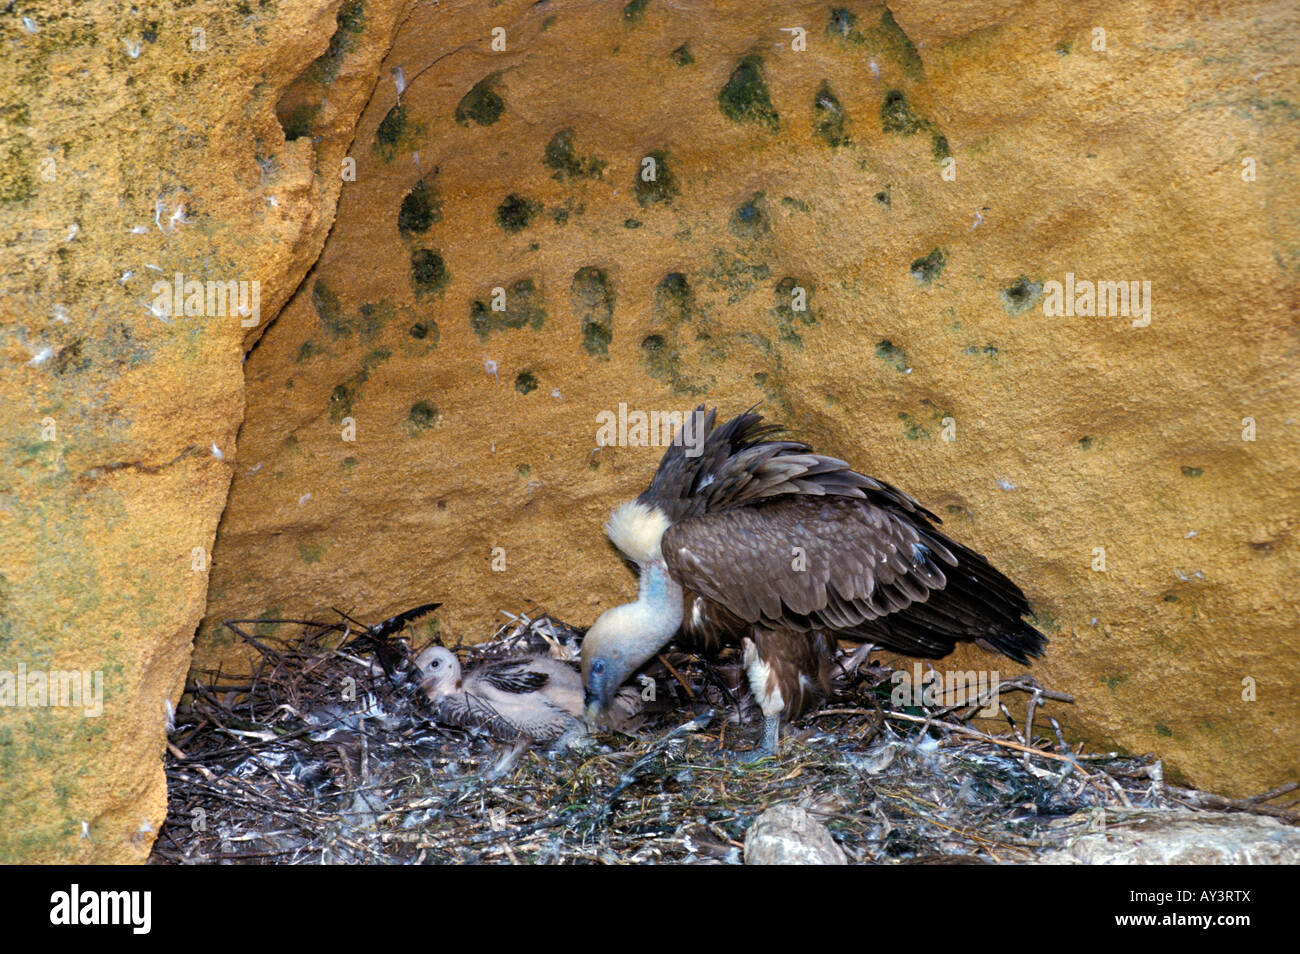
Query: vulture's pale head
(439, 671)
(617, 645)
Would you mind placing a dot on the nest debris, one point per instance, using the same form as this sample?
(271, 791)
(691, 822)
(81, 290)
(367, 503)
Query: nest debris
(326, 754)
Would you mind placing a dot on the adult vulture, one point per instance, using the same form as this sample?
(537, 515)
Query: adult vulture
(761, 543)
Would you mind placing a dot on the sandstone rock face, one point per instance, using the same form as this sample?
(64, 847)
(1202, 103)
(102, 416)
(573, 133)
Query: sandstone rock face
(405, 441)
(133, 147)
(803, 241)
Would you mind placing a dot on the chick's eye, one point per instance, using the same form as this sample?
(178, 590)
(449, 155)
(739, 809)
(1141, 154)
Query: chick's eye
(435, 664)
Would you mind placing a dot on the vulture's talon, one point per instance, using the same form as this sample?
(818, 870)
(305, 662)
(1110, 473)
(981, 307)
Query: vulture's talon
(767, 749)
(747, 757)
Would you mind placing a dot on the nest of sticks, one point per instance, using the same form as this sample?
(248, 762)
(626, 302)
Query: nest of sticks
(327, 753)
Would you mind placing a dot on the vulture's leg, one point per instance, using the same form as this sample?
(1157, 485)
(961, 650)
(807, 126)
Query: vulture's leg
(762, 683)
(764, 750)
(771, 736)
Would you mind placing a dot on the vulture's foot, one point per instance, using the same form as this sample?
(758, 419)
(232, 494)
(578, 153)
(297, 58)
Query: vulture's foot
(767, 749)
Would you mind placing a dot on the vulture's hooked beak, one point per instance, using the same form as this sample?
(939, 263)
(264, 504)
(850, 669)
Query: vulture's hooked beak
(598, 691)
(595, 707)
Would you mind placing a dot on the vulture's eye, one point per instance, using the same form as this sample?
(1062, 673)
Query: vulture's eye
(598, 667)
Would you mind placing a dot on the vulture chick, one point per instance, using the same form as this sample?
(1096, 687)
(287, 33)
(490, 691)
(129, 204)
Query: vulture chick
(761, 543)
(525, 696)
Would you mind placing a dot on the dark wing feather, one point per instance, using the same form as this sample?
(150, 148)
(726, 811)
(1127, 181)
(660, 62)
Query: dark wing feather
(396, 623)
(512, 675)
(851, 567)
(739, 465)
(784, 561)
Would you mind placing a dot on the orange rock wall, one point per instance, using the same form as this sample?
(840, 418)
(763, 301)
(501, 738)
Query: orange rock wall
(135, 146)
(1114, 156)
(403, 441)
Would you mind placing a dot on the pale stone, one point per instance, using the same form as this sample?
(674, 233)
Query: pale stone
(1184, 838)
(789, 835)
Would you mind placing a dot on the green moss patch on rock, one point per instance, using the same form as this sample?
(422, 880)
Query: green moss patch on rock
(634, 11)
(744, 98)
(927, 268)
(655, 181)
(828, 117)
(562, 156)
(750, 220)
(886, 38)
(17, 169)
(898, 117)
(424, 330)
(900, 46)
(482, 105)
(428, 272)
(421, 417)
(735, 277)
(350, 22)
(329, 310)
(522, 305)
(889, 352)
(592, 298)
(1021, 295)
(341, 399)
(420, 209)
(793, 308)
(395, 132)
(515, 212)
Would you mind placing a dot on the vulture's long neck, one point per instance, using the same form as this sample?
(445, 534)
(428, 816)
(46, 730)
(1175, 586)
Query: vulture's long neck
(653, 620)
(658, 607)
